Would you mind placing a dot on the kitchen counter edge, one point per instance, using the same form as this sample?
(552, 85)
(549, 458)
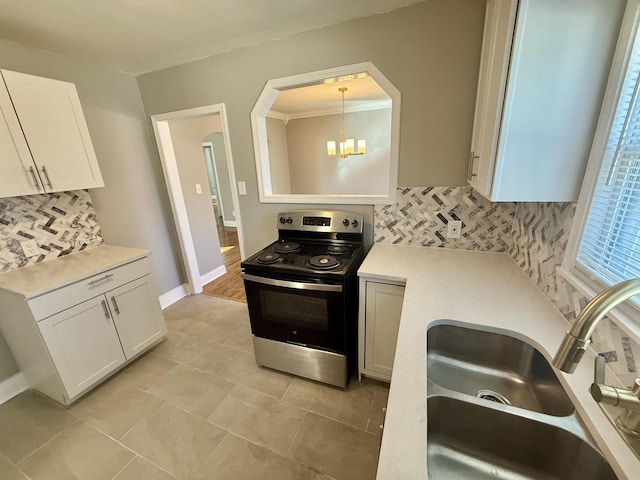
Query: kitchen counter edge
(46, 276)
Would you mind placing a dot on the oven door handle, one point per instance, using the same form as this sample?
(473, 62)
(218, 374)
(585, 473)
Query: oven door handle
(322, 287)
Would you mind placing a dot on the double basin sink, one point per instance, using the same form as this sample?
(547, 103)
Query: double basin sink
(495, 409)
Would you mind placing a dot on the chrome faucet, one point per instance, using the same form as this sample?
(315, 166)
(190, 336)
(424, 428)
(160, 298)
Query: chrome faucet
(577, 340)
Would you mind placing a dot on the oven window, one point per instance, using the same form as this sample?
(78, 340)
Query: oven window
(296, 310)
(304, 317)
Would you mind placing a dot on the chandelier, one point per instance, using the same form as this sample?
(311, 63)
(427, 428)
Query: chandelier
(346, 146)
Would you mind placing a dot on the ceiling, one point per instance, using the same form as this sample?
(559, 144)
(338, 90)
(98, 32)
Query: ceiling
(139, 36)
(362, 93)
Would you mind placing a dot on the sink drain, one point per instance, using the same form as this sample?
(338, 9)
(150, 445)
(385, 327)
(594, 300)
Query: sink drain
(493, 396)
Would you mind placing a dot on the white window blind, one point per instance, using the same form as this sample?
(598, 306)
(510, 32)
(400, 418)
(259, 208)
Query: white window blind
(610, 247)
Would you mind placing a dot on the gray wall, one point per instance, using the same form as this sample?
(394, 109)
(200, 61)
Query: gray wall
(133, 208)
(313, 171)
(429, 51)
(278, 155)
(187, 136)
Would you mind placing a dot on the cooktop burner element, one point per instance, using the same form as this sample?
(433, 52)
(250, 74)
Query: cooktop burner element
(324, 262)
(269, 258)
(287, 247)
(337, 249)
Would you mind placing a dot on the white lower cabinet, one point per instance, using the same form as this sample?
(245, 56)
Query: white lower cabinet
(70, 338)
(138, 321)
(379, 318)
(83, 344)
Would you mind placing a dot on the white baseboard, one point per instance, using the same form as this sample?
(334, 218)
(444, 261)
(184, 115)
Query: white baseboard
(229, 223)
(213, 274)
(172, 296)
(12, 386)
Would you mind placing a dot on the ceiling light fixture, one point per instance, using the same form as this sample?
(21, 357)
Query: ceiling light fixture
(347, 146)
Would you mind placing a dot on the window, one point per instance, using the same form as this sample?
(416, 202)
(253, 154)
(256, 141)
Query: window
(610, 247)
(609, 208)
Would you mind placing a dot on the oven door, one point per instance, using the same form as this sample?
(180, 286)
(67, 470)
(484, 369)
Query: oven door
(298, 312)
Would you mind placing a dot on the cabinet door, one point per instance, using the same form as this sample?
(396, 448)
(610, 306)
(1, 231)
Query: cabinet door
(137, 315)
(18, 170)
(382, 316)
(56, 131)
(83, 344)
(499, 26)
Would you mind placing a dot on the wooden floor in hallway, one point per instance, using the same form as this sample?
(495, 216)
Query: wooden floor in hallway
(230, 284)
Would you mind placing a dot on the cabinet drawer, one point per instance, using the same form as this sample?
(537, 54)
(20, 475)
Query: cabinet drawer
(65, 297)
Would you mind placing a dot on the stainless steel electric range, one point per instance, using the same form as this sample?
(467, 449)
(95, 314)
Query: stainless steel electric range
(303, 297)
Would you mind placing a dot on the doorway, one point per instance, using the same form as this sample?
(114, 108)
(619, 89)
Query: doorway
(175, 189)
(229, 285)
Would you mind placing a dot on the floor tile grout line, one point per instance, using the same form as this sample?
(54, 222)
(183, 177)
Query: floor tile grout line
(296, 436)
(126, 447)
(48, 441)
(226, 434)
(341, 422)
(373, 402)
(123, 468)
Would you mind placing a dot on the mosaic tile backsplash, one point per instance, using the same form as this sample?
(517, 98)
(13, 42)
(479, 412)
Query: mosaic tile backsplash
(535, 235)
(60, 223)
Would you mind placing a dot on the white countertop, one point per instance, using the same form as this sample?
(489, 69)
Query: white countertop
(482, 289)
(42, 277)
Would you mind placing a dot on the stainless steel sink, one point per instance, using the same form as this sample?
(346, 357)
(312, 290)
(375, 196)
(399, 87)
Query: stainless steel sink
(468, 440)
(494, 367)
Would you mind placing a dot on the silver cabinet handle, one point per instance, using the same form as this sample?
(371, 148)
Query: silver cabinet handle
(320, 287)
(36, 183)
(46, 176)
(105, 309)
(472, 159)
(101, 279)
(115, 305)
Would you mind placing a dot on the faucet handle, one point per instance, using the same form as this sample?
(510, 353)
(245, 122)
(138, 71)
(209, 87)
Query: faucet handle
(598, 369)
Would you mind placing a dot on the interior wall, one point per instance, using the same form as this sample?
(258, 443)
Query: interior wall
(187, 136)
(313, 171)
(133, 208)
(430, 51)
(278, 155)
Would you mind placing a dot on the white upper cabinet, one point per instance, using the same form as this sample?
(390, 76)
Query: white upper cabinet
(543, 69)
(19, 175)
(50, 150)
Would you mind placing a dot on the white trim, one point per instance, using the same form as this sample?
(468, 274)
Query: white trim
(321, 112)
(12, 386)
(213, 274)
(229, 223)
(172, 296)
(174, 188)
(258, 124)
(176, 198)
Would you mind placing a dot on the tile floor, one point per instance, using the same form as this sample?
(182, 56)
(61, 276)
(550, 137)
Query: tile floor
(197, 407)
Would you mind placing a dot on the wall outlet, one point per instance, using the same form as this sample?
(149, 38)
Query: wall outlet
(454, 228)
(242, 188)
(30, 248)
(198, 188)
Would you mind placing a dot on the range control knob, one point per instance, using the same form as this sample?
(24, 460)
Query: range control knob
(289, 220)
(345, 222)
(281, 220)
(354, 223)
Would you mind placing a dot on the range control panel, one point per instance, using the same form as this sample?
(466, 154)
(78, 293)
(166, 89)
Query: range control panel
(321, 221)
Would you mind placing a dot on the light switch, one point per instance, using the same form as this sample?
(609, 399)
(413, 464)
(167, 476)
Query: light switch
(198, 188)
(242, 188)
